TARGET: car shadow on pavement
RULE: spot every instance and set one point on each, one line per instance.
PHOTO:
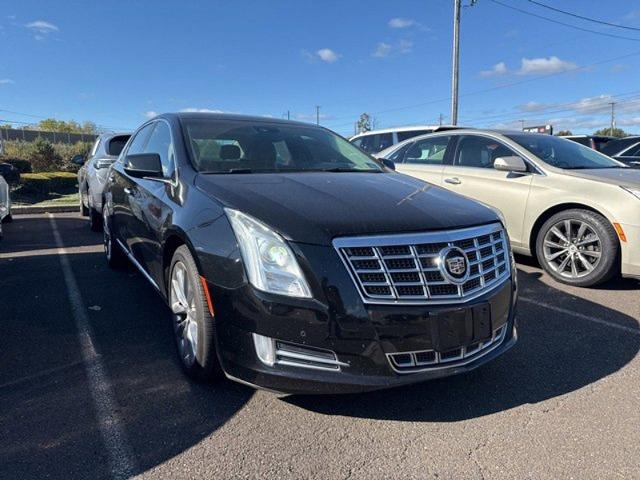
(50, 421)
(556, 354)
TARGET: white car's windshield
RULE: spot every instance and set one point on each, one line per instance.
(562, 153)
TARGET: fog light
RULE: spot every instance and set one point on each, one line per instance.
(265, 349)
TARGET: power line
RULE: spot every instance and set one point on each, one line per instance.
(602, 22)
(563, 23)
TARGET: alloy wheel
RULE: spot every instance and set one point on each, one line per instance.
(182, 301)
(572, 248)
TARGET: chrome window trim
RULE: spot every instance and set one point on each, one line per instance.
(412, 239)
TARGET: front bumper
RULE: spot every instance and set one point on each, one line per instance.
(630, 264)
(361, 337)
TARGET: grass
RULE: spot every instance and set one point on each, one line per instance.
(22, 200)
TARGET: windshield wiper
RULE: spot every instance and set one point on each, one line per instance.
(347, 169)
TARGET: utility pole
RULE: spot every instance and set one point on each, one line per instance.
(317, 114)
(288, 115)
(613, 117)
(455, 62)
(522, 125)
(440, 120)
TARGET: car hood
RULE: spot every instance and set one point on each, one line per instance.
(625, 177)
(316, 207)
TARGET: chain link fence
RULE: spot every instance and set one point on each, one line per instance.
(54, 137)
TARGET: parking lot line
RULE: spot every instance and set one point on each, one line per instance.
(121, 460)
(581, 316)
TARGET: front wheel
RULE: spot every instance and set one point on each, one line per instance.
(114, 254)
(578, 247)
(95, 220)
(192, 321)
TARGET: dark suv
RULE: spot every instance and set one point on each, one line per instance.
(294, 262)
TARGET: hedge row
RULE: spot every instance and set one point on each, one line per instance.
(48, 182)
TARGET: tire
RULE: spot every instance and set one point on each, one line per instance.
(592, 241)
(95, 220)
(84, 211)
(116, 258)
(8, 219)
(193, 324)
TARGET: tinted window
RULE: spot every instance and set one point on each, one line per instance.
(222, 147)
(399, 153)
(479, 152)
(614, 147)
(428, 151)
(599, 143)
(357, 142)
(560, 153)
(581, 140)
(633, 151)
(411, 133)
(116, 144)
(160, 143)
(376, 142)
(139, 141)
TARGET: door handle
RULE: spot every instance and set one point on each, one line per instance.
(128, 191)
(453, 180)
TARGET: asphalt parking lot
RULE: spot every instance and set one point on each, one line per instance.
(89, 388)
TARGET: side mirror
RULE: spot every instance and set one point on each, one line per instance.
(143, 165)
(510, 164)
(78, 160)
(388, 163)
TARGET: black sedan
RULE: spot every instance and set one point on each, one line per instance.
(294, 262)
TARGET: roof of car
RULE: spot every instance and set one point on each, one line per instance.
(229, 116)
(406, 129)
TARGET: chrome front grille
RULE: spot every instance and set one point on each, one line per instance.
(408, 268)
(409, 362)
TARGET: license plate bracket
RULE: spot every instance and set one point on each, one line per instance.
(462, 327)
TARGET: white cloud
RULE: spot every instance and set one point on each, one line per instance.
(201, 110)
(497, 70)
(328, 55)
(531, 66)
(42, 27)
(150, 114)
(402, 22)
(6, 81)
(385, 49)
(382, 50)
(544, 66)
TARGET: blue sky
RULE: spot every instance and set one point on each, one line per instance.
(117, 62)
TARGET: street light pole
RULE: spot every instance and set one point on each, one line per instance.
(317, 114)
(455, 62)
(613, 117)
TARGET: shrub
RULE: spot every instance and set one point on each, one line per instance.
(48, 182)
(44, 156)
(46, 160)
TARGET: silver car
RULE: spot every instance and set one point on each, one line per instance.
(92, 176)
(576, 210)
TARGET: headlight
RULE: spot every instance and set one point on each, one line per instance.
(633, 191)
(270, 263)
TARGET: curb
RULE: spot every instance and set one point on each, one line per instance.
(44, 209)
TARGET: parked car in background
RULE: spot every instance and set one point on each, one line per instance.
(626, 150)
(597, 142)
(5, 203)
(374, 141)
(10, 173)
(293, 261)
(576, 209)
(92, 175)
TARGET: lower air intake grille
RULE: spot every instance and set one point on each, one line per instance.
(409, 362)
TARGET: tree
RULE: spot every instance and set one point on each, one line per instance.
(616, 132)
(364, 123)
(564, 133)
(53, 125)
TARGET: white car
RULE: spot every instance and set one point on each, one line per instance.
(374, 141)
(5, 203)
(576, 210)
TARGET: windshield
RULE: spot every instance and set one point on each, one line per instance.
(237, 146)
(563, 153)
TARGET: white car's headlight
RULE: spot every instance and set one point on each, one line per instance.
(633, 191)
(270, 263)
